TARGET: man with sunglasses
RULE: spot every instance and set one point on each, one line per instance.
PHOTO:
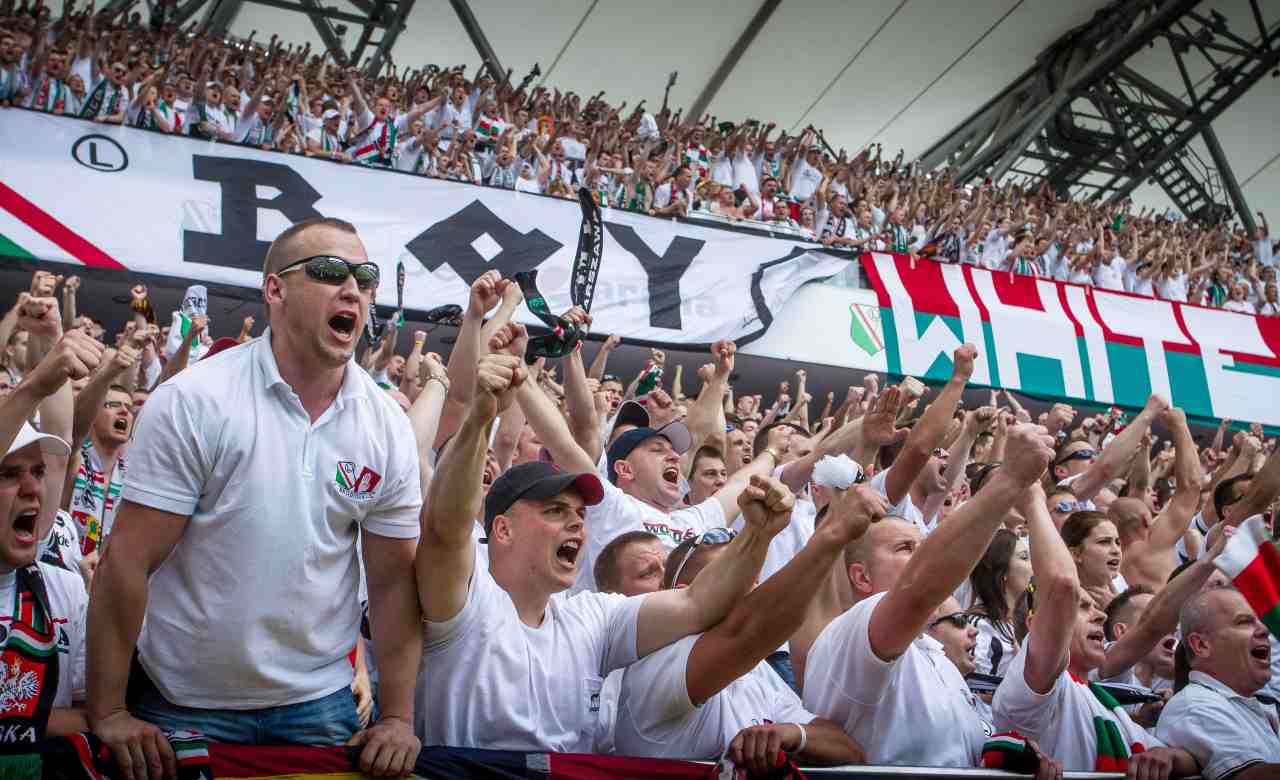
(507, 664)
(235, 537)
(1087, 471)
(713, 692)
(868, 669)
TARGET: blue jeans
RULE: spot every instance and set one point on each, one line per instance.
(781, 663)
(329, 720)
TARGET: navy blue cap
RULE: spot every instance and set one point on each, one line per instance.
(536, 480)
(674, 432)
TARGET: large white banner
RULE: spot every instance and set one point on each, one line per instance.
(114, 197)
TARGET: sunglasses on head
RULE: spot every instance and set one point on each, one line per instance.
(711, 536)
(1067, 507)
(956, 619)
(1077, 455)
(328, 269)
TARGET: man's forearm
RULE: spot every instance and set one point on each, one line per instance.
(15, 410)
(454, 500)
(729, 577)
(1158, 620)
(1115, 456)
(1262, 491)
(582, 407)
(113, 626)
(396, 624)
(547, 422)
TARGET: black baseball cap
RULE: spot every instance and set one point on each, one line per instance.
(631, 413)
(674, 432)
(536, 480)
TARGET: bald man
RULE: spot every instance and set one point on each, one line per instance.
(258, 469)
(1150, 545)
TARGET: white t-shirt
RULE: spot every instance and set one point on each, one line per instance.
(1062, 720)
(619, 513)
(656, 718)
(913, 710)
(790, 540)
(275, 505)
(1110, 275)
(489, 681)
(61, 545)
(69, 605)
(1222, 729)
(904, 508)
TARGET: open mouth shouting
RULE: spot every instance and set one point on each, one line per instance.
(1113, 564)
(120, 425)
(567, 553)
(343, 326)
(1261, 651)
(671, 475)
(1097, 637)
(24, 527)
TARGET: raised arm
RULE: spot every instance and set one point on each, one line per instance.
(1057, 591)
(1173, 522)
(446, 553)
(931, 428)
(771, 613)
(1115, 457)
(669, 615)
(949, 554)
(1262, 491)
(975, 421)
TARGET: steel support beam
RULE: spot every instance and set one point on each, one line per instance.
(331, 14)
(220, 15)
(382, 51)
(1228, 178)
(478, 39)
(1083, 118)
(324, 28)
(732, 57)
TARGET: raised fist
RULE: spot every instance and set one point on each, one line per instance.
(766, 504)
(1028, 451)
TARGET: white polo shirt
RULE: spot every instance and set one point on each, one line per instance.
(1225, 731)
(487, 680)
(257, 606)
(1062, 720)
(913, 710)
(656, 719)
(619, 513)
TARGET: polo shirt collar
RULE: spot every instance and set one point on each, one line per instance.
(1215, 684)
(352, 387)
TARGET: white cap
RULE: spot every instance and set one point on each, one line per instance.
(331, 114)
(48, 442)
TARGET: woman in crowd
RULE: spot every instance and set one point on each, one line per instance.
(999, 584)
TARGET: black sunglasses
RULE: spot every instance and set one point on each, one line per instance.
(328, 269)
(719, 535)
(956, 619)
(1077, 455)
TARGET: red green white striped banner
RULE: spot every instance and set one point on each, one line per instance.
(1252, 562)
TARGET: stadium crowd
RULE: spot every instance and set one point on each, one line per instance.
(289, 538)
(486, 130)
(511, 557)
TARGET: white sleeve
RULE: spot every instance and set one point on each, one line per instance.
(481, 593)
(79, 630)
(655, 689)
(1017, 707)
(169, 459)
(849, 668)
(396, 515)
(622, 618)
(786, 706)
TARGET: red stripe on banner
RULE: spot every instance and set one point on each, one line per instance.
(1017, 290)
(1107, 333)
(1192, 348)
(873, 278)
(981, 305)
(573, 766)
(1259, 583)
(1269, 327)
(44, 224)
(929, 294)
(1061, 291)
(260, 761)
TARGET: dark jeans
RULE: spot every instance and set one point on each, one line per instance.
(328, 720)
(781, 663)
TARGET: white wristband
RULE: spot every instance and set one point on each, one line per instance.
(804, 739)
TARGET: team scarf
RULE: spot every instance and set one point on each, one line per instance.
(649, 380)
(489, 128)
(564, 335)
(1022, 265)
(837, 231)
(93, 105)
(1217, 294)
(901, 238)
(1113, 753)
(637, 196)
(46, 102)
(29, 664)
(1008, 750)
(8, 82)
(696, 158)
(381, 148)
(1252, 562)
(92, 490)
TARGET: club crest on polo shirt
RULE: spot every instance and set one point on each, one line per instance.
(359, 483)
